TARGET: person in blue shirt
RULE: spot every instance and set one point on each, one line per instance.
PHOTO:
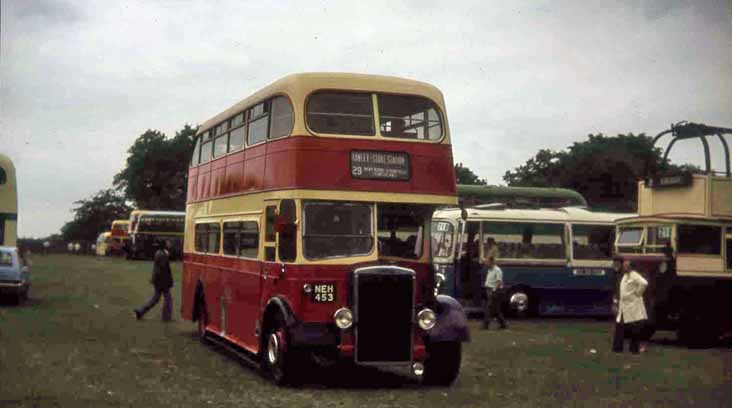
(493, 285)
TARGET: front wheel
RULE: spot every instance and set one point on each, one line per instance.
(443, 363)
(278, 360)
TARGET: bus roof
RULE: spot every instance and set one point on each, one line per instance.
(151, 212)
(490, 194)
(566, 214)
(120, 222)
(8, 186)
(299, 86)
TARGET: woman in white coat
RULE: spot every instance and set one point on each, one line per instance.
(631, 309)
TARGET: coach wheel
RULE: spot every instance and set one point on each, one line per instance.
(279, 361)
(26, 293)
(442, 365)
(694, 332)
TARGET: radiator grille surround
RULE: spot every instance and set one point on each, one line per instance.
(384, 314)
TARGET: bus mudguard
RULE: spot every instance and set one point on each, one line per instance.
(305, 334)
(452, 322)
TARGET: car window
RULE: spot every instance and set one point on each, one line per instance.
(6, 259)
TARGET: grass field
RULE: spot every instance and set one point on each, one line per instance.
(76, 344)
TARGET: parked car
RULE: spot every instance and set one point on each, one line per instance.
(14, 274)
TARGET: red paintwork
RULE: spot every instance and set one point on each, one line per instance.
(318, 163)
(248, 294)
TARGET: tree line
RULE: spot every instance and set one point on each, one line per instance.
(603, 169)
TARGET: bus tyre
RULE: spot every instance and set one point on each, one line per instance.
(696, 332)
(278, 360)
(442, 365)
(647, 331)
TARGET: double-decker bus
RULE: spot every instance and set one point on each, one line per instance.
(554, 261)
(119, 236)
(103, 243)
(519, 197)
(8, 203)
(308, 207)
(681, 241)
(147, 228)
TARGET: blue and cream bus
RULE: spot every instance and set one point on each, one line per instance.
(554, 261)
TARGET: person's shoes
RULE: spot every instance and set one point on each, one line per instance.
(138, 316)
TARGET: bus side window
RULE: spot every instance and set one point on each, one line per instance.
(287, 244)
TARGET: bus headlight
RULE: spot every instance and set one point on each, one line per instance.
(426, 319)
(343, 318)
(663, 267)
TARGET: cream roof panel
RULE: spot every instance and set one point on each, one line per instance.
(569, 214)
(298, 86)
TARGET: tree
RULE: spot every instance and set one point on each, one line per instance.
(155, 176)
(95, 215)
(464, 175)
(603, 169)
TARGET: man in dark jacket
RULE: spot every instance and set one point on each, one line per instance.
(162, 281)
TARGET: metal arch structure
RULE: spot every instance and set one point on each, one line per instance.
(688, 130)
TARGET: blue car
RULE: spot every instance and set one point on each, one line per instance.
(14, 275)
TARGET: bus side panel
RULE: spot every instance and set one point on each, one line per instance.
(191, 274)
(255, 167)
(243, 309)
(204, 179)
(233, 181)
(218, 172)
(560, 292)
(192, 185)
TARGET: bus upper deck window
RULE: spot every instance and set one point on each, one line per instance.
(206, 149)
(3, 176)
(258, 123)
(409, 117)
(341, 113)
(282, 117)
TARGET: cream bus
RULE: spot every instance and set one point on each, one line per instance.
(8, 203)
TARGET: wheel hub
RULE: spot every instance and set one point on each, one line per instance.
(273, 349)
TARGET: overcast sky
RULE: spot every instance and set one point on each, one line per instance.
(81, 80)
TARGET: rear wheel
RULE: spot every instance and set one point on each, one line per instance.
(442, 365)
(695, 332)
(202, 322)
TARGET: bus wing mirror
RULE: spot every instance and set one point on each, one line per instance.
(282, 224)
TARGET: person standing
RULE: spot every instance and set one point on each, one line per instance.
(631, 309)
(493, 284)
(162, 281)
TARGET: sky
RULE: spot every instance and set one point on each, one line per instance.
(81, 80)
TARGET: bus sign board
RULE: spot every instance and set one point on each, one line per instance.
(673, 180)
(379, 165)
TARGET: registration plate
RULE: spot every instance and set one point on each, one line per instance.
(324, 293)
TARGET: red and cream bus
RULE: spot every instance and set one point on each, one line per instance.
(118, 237)
(308, 213)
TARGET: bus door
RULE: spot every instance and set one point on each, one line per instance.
(279, 244)
(468, 282)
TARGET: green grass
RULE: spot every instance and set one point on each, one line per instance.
(76, 343)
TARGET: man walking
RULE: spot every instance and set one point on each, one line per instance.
(493, 286)
(162, 280)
